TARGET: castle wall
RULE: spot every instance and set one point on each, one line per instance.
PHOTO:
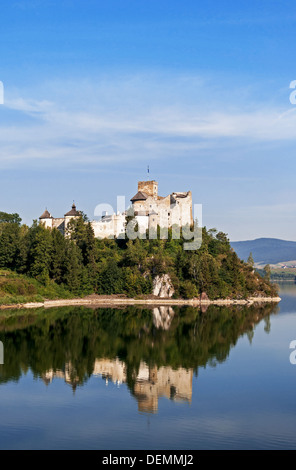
(142, 223)
(182, 213)
(163, 209)
(142, 206)
(59, 224)
(47, 223)
(109, 226)
(175, 209)
(67, 219)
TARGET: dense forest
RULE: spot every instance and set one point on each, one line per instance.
(81, 264)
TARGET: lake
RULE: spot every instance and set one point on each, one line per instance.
(149, 378)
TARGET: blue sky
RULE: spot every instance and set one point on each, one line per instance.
(96, 90)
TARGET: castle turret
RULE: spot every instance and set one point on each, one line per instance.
(72, 214)
(145, 198)
(46, 219)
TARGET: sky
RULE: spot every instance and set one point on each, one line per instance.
(97, 90)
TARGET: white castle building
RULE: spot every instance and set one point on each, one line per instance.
(148, 208)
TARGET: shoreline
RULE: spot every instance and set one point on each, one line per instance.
(113, 302)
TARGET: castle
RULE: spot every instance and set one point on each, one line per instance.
(60, 223)
(149, 209)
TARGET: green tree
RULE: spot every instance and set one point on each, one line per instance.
(73, 268)
(57, 265)
(9, 244)
(10, 218)
(188, 290)
(40, 253)
(267, 271)
(82, 234)
(21, 262)
(111, 279)
(135, 254)
(250, 260)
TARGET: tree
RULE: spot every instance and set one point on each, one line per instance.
(250, 260)
(73, 267)
(267, 271)
(21, 262)
(188, 290)
(135, 254)
(111, 279)
(40, 253)
(10, 218)
(57, 264)
(9, 244)
(82, 234)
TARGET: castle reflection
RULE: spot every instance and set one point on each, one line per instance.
(151, 383)
(153, 351)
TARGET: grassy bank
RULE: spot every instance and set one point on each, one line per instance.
(18, 289)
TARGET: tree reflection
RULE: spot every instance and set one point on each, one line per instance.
(154, 351)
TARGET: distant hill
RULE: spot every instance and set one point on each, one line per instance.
(266, 250)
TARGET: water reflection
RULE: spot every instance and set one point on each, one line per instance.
(162, 317)
(155, 352)
(287, 288)
(151, 383)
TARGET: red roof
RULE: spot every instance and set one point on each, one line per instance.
(73, 212)
(140, 196)
(46, 215)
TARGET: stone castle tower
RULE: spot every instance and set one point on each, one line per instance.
(149, 187)
(152, 210)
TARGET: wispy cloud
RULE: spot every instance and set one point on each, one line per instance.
(129, 119)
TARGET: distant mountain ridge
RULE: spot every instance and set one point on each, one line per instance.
(266, 250)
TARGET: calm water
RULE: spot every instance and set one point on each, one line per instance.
(77, 378)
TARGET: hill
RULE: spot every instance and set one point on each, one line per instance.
(266, 250)
(82, 265)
